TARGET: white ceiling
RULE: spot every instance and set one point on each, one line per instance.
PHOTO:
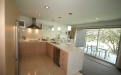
(84, 11)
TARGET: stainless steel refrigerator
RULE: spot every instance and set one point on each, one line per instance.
(16, 47)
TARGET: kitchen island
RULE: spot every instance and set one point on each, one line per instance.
(71, 58)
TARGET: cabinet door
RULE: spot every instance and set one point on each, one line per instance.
(63, 60)
(30, 48)
(47, 48)
(51, 50)
(23, 48)
(43, 47)
(37, 48)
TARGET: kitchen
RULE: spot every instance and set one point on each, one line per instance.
(8, 55)
(59, 52)
(85, 13)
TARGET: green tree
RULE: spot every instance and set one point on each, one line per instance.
(92, 34)
(111, 38)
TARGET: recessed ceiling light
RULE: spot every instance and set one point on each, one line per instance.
(46, 7)
(39, 14)
(97, 18)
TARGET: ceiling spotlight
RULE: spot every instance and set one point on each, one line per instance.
(70, 17)
(39, 14)
(97, 18)
(46, 7)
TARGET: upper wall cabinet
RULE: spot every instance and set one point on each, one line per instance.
(46, 27)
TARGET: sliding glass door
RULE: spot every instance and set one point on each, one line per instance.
(109, 40)
(92, 41)
(103, 43)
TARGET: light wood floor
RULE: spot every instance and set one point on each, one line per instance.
(39, 65)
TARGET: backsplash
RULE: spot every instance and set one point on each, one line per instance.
(39, 34)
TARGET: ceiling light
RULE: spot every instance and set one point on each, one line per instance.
(53, 26)
(59, 28)
(52, 29)
(69, 28)
(39, 14)
(46, 7)
(97, 18)
(70, 17)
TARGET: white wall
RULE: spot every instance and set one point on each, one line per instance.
(33, 34)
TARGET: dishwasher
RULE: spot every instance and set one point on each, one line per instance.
(56, 55)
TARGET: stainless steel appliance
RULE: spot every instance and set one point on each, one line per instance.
(16, 48)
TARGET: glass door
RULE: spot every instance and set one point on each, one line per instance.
(92, 41)
(109, 42)
(101, 43)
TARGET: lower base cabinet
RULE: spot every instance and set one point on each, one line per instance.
(32, 48)
(70, 62)
(50, 49)
(63, 60)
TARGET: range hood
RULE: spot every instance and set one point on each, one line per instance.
(34, 26)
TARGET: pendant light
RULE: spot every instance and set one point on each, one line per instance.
(69, 27)
(59, 28)
(53, 26)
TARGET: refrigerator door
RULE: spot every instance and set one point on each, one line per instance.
(16, 46)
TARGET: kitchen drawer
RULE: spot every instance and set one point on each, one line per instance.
(63, 54)
(64, 60)
(63, 67)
